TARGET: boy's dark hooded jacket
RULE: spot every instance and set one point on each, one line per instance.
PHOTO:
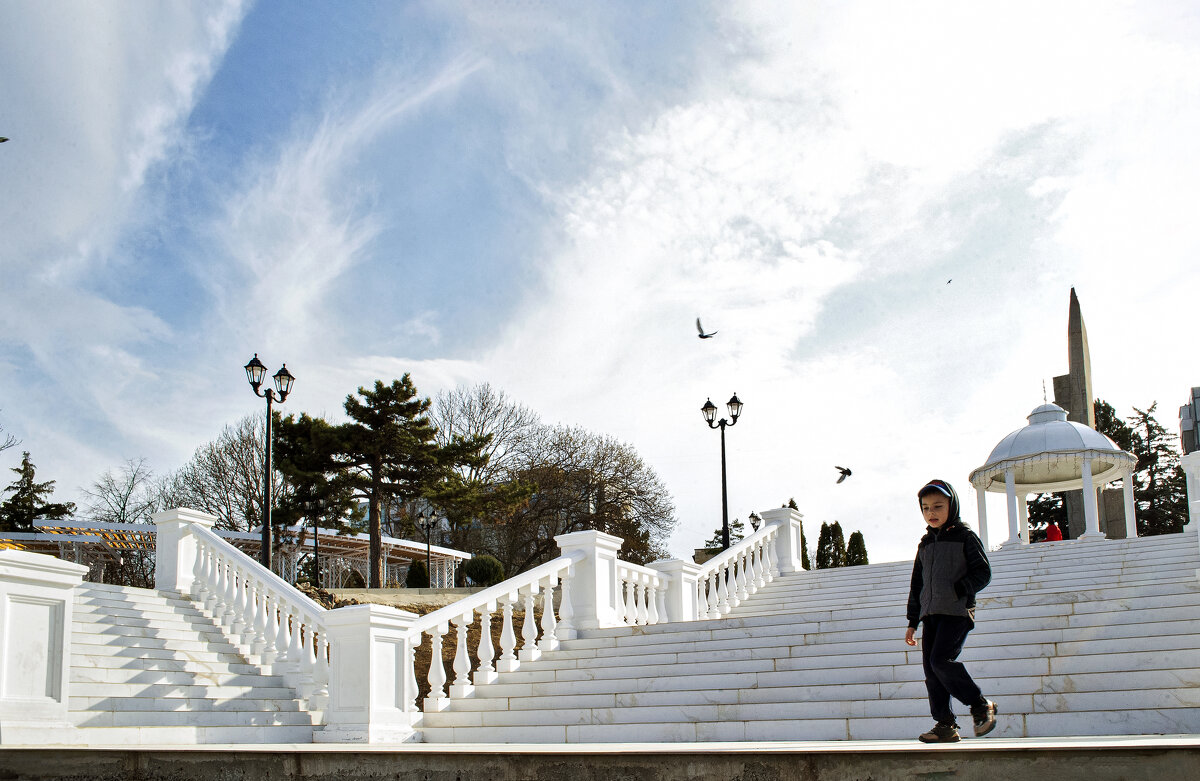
(950, 569)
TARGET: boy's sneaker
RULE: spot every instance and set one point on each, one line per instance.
(984, 717)
(941, 733)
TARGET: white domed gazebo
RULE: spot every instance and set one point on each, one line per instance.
(1052, 453)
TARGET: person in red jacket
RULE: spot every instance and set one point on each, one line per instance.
(1053, 533)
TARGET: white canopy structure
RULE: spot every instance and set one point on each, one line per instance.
(1052, 453)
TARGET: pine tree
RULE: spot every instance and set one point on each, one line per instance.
(837, 545)
(737, 533)
(1159, 485)
(856, 550)
(29, 501)
(824, 558)
(389, 451)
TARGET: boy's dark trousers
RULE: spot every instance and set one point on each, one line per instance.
(941, 642)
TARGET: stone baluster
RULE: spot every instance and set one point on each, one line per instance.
(409, 671)
(508, 639)
(217, 598)
(437, 699)
(566, 613)
(199, 581)
(652, 599)
(630, 600)
(295, 653)
(308, 654)
(740, 578)
(722, 592)
(487, 671)
(641, 591)
(462, 659)
(714, 595)
(320, 693)
(731, 587)
(753, 570)
(549, 641)
(254, 634)
(283, 634)
(529, 650)
(701, 598)
(266, 626)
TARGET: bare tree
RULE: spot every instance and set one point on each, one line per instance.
(225, 477)
(7, 440)
(584, 481)
(127, 496)
(482, 410)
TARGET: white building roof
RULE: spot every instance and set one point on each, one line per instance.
(1048, 455)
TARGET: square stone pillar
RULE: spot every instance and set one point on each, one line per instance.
(594, 587)
(175, 549)
(681, 577)
(372, 685)
(37, 600)
(787, 542)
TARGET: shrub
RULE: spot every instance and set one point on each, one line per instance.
(483, 570)
(418, 576)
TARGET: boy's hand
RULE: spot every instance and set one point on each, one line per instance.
(910, 636)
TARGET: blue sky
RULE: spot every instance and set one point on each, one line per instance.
(544, 196)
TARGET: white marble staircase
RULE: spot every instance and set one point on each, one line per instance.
(1073, 638)
(148, 667)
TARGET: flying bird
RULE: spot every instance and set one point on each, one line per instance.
(2, 139)
(845, 473)
(700, 328)
(948, 281)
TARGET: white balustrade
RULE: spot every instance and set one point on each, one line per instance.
(728, 579)
(641, 590)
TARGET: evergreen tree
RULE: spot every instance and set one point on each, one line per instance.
(389, 451)
(831, 546)
(737, 533)
(856, 550)
(1160, 489)
(1042, 510)
(30, 501)
(837, 545)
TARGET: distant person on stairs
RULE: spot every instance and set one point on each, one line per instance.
(950, 569)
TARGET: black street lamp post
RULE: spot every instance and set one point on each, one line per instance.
(710, 413)
(255, 372)
(427, 520)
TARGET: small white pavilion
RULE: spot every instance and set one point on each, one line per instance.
(1053, 454)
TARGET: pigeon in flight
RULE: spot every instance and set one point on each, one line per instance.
(2, 139)
(845, 473)
(700, 328)
(948, 281)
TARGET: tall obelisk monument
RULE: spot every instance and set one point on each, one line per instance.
(1073, 392)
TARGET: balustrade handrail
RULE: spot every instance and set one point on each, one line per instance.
(473, 602)
(282, 588)
(727, 555)
(640, 570)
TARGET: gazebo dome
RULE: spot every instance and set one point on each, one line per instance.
(1046, 454)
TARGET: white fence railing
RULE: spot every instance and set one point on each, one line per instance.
(357, 665)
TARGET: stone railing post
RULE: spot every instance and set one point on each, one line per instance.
(175, 548)
(372, 686)
(593, 588)
(1191, 471)
(37, 599)
(681, 577)
(787, 542)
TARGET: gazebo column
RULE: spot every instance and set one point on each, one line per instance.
(1010, 490)
(1023, 517)
(1130, 507)
(1091, 518)
(981, 503)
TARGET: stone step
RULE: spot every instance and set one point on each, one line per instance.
(87, 705)
(137, 677)
(199, 652)
(261, 716)
(171, 663)
(192, 691)
(1148, 722)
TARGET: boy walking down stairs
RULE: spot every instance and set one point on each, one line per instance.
(951, 567)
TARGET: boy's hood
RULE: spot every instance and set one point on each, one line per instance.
(955, 517)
